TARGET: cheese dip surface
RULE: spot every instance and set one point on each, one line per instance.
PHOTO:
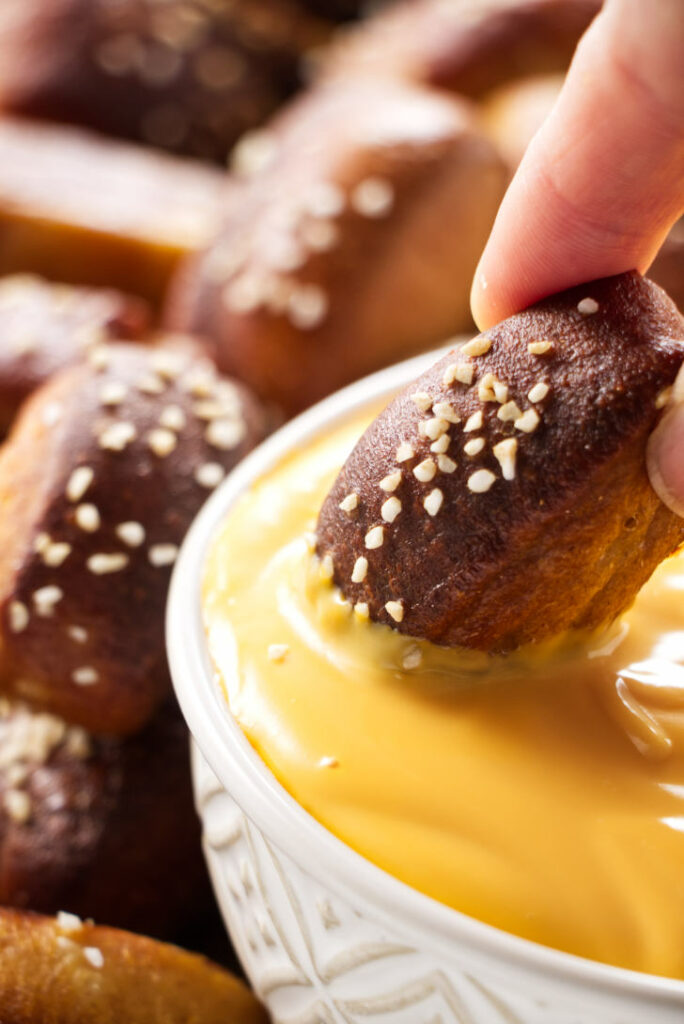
(542, 793)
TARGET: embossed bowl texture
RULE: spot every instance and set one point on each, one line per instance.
(325, 936)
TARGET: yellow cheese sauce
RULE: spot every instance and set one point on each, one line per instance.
(542, 794)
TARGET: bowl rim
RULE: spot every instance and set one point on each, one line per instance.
(280, 817)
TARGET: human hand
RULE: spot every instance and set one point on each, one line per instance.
(600, 186)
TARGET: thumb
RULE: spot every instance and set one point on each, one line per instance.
(665, 455)
(601, 183)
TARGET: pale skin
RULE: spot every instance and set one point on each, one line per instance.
(600, 185)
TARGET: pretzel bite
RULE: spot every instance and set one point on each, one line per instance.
(103, 826)
(64, 971)
(187, 75)
(349, 248)
(78, 208)
(503, 497)
(101, 476)
(513, 114)
(45, 327)
(464, 46)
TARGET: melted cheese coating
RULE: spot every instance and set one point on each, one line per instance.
(543, 794)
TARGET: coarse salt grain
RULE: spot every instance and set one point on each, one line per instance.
(441, 444)
(18, 615)
(209, 474)
(446, 411)
(375, 537)
(68, 922)
(480, 481)
(474, 446)
(101, 564)
(79, 482)
(390, 482)
(112, 393)
(161, 555)
(18, 805)
(433, 502)
(476, 347)
(461, 372)
(422, 400)
(307, 307)
(161, 441)
(225, 434)
(349, 502)
(474, 422)
(362, 611)
(509, 412)
(172, 418)
(390, 509)
(539, 348)
(328, 762)
(117, 436)
(55, 554)
(373, 197)
(87, 518)
(539, 392)
(528, 422)
(327, 567)
(278, 652)
(412, 658)
(131, 533)
(360, 570)
(85, 676)
(45, 599)
(445, 464)
(395, 609)
(435, 427)
(505, 452)
(587, 306)
(94, 956)
(404, 452)
(425, 470)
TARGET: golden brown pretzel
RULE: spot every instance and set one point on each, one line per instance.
(503, 497)
(63, 971)
(352, 247)
(101, 476)
(464, 46)
(45, 327)
(186, 75)
(105, 827)
(79, 208)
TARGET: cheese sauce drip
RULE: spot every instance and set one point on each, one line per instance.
(543, 794)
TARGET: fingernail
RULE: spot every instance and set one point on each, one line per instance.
(665, 452)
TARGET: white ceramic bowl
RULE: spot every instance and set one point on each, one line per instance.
(324, 935)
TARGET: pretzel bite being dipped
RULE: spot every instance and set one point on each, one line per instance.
(66, 971)
(99, 480)
(348, 249)
(103, 826)
(463, 46)
(45, 327)
(186, 75)
(88, 210)
(503, 497)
